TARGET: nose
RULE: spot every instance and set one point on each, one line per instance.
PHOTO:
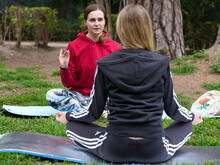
(96, 22)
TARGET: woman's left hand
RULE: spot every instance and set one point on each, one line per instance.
(197, 119)
(61, 117)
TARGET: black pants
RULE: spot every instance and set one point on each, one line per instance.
(123, 149)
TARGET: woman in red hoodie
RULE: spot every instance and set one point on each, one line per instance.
(78, 62)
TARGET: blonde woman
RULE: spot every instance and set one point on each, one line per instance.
(139, 86)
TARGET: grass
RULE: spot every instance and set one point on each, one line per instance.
(56, 73)
(197, 54)
(184, 65)
(211, 86)
(184, 69)
(32, 90)
(216, 66)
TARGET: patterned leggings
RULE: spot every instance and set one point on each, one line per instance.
(65, 100)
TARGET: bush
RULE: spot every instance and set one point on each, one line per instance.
(64, 31)
(44, 23)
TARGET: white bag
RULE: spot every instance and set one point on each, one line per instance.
(208, 104)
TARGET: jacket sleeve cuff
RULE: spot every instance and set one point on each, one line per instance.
(68, 118)
(193, 116)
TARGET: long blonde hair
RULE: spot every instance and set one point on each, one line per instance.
(134, 28)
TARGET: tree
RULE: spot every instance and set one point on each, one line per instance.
(18, 18)
(201, 20)
(167, 25)
(107, 5)
(140, 2)
(44, 23)
(101, 2)
(108, 12)
(5, 24)
(217, 42)
(214, 51)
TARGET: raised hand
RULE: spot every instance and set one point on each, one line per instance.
(64, 58)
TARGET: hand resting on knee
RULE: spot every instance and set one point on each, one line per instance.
(197, 119)
(61, 117)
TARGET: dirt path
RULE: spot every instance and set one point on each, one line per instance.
(28, 55)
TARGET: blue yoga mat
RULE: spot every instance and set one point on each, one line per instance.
(61, 148)
(30, 110)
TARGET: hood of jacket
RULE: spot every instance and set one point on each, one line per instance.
(134, 70)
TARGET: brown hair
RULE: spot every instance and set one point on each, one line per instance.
(134, 28)
(94, 7)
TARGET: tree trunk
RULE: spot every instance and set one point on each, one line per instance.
(108, 12)
(101, 2)
(5, 25)
(140, 2)
(167, 24)
(218, 37)
(214, 51)
(107, 5)
(166, 17)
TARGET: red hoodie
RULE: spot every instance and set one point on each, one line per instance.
(84, 52)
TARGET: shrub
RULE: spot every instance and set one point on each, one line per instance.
(44, 22)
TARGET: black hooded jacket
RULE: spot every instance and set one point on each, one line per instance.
(139, 86)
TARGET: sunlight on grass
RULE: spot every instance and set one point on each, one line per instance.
(211, 86)
(32, 97)
(197, 54)
(216, 66)
(40, 84)
(35, 70)
(103, 122)
(184, 69)
(182, 60)
(16, 76)
(206, 134)
(10, 87)
(46, 125)
(1, 65)
(185, 101)
(19, 75)
(198, 92)
(56, 73)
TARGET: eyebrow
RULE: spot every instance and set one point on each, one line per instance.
(96, 18)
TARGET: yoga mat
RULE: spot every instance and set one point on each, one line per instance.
(61, 148)
(30, 110)
(48, 111)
